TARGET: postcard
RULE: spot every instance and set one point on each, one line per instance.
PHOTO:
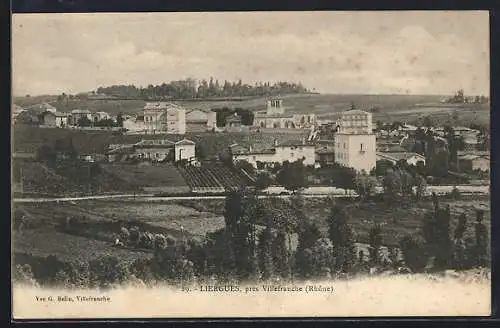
(251, 164)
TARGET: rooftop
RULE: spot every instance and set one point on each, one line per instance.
(354, 111)
(291, 143)
(185, 142)
(399, 155)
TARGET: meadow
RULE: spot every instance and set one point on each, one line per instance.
(193, 219)
(320, 104)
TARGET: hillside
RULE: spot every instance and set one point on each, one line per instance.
(28, 139)
(315, 103)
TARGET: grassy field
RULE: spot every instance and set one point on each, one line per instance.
(196, 218)
(147, 175)
(68, 247)
(30, 138)
(299, 103)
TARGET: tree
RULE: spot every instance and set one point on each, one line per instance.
(364, 184)
(281, 255)
(375, 238)
(292, 176)
(421, 186)
(413, 249)
(436, 233)
(392, 184)
(109, 270)
(308, 235)
(342, 238)
(84, 121)
(263, 181)
(46, 154)
(428, 122)
(459, 253)
(481, 240)
(23, 274)
(266, 264)
(199, 151)
(119, 120)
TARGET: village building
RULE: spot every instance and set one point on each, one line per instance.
(290, 151)
(233, 121)
(474, 162)
(163, 117)
(157, 150)
(211, 120)
(395, 157)
(78, 114)
(325, 151)
(355, 141)
(47, 120)
(45, 107)
(134, 124)
(16, 110)
(28, 117)
(99, 116)
(61, 119)
(274, 117)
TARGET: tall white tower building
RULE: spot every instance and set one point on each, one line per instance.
(355, 142)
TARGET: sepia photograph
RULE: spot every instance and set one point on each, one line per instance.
(250, 164)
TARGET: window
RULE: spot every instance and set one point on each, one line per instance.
(291, 154)
(362, 147)
(345, 145)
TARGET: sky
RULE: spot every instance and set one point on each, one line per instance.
(419, 52)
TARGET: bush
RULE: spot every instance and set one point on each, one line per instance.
(108, 270)
(134, 235)
(24, 275)
(124, 234)
(160, 241)
(455, 193)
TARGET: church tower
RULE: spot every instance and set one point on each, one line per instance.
(275, 107)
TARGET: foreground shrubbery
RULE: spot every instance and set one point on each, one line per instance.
(256, 244)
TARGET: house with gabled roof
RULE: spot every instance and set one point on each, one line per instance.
(157, 150)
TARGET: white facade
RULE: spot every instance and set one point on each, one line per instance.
(134, 125)
(293, 153)
(274, 117)
(290, 152)
(164, 117)
(76, 114)
(356, 122)
(257, 156)
(185, 149)
(61, 119)
(410, 158)
(196, 116)
(355, 143)
(211, 120)
(275, 107)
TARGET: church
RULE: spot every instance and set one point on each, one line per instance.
(275, 117)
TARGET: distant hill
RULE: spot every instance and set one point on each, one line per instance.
(319, 104)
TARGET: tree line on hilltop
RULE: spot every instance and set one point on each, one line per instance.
(193, 89)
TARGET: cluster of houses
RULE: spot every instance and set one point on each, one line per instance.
(354, 142)
(47, 116)
(157, 150)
